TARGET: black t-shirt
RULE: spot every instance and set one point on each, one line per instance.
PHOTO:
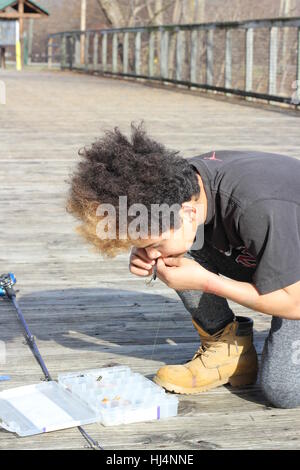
(253, 204)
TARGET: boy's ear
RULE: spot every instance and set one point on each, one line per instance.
(189, 210)
(188, 207)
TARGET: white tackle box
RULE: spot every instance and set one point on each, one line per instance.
(111, 396)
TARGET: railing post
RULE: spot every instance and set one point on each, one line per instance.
(104, 52)
(249, 59)
(63, 49)
(86, 51)
(228, 59)
(2, 66)
(161, 48)
(179, 53)
(95, 50)
(297, 91)
(273, 61)
(115, 53)
(77, 50)
(138, 53)
(209, 56)
(151, 54)
(194, 52)
(70, 51)
(50, 52)
(125, 52)
(164, 48)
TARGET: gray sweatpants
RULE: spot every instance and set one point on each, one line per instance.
(280, 363)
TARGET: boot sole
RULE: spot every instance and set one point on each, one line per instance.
(234, 381)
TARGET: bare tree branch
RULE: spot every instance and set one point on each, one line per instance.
(136, 8)
(158, 12)
(177, 15)
(104, 13)
(112, 12)
(149, 9)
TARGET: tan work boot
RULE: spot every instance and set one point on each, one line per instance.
(226, 356)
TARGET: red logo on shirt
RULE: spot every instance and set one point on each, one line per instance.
(246, 259)
(213, 157)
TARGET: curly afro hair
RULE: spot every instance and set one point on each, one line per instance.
(139, 168)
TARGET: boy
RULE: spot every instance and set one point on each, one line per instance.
(248, 205)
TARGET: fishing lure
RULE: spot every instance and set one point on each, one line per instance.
(153, 277)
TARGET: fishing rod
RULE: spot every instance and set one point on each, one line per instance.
(7, 282)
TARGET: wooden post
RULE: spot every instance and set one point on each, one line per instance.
(82, 28)
(273, 61)
(194, 52)
(2, 57)
(115, 53)
(18, 47)
(86, 50)
(164, 48)
(21, 23)
(138, 53)
(298, 68)
(77, 51)
(125, 52)
(70, 51)
(209, 56)
(249, 59)
(95, 50)
(179, 54)
(63, 49)
(50, 52)
(228, 59)
(151, 54)
(25, 48)
(104, 52)
(30, 37)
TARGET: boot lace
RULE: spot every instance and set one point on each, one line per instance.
(211, 343)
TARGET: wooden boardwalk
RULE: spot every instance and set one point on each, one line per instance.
(88, 312)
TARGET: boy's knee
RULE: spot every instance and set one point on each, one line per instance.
(283, 394)
(191, 300)
(279, 369)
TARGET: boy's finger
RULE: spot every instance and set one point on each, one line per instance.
(172, 261)
(160, 265)
(141, 253)
(136, 261)
(139, 271)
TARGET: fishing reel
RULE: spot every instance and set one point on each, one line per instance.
(7, 281)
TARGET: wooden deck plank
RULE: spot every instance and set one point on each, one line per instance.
(87, 311)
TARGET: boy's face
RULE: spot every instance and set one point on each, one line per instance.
(174, 242)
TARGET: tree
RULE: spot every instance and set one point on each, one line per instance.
(112, 13)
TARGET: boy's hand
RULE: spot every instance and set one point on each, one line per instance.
(139, 263)
(183, 274)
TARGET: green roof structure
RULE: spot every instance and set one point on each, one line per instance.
(17, 11)
(29, 7)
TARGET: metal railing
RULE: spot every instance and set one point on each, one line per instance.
(255, 59)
